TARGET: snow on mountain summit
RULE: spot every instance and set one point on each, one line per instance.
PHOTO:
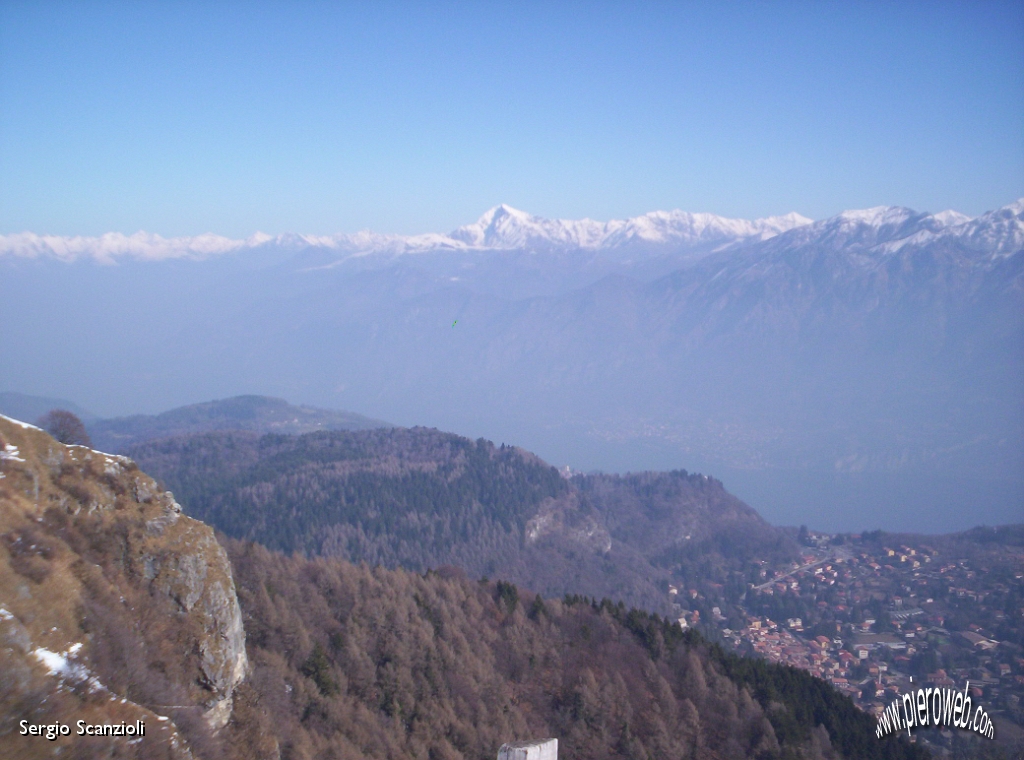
(507, 227)
(887, 229)
(877, 216)
(504, 227)
(950, 218)
(500, 228)
(997, 233)
(107, 248)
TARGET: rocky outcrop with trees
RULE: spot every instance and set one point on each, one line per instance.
(113, 604)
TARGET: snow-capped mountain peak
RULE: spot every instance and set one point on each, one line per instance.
(886, 230)
(1016, 208)
(999, 233)
(951, 218)
(876, 216)
(504, 227)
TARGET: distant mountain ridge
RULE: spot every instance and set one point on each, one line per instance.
(262, 414)
(505, 228)
(256, 413)
(891, 228)
(499, 228)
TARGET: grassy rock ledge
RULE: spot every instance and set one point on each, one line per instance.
(114, 606)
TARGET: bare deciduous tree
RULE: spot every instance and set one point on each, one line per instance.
(65, 427)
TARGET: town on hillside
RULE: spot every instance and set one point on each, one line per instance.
(880, 615)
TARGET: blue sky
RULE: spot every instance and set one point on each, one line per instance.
(182, 118)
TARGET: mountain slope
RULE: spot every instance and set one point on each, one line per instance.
(378, 663)
(419, 498)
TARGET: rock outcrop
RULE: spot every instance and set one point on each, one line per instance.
(563, 517)
(113, 604)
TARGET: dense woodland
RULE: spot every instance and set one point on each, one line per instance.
(419, 498)
(352, 661)
(686, 524)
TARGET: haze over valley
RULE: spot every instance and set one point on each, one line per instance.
(856, 372)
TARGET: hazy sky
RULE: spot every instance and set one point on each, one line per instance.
(182, 118)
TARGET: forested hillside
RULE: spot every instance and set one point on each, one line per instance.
(353, 662)
(114, 606)
(419, 498)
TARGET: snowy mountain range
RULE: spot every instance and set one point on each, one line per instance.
(887, 229)
(500, 228)
(504, 228)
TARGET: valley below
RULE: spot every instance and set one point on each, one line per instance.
(412, 593)
(110, 611)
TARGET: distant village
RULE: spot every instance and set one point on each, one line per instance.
(879, 618)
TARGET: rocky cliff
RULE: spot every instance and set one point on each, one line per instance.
(114, 606)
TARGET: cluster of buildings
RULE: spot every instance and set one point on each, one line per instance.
(822, 656)
(880, 619)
